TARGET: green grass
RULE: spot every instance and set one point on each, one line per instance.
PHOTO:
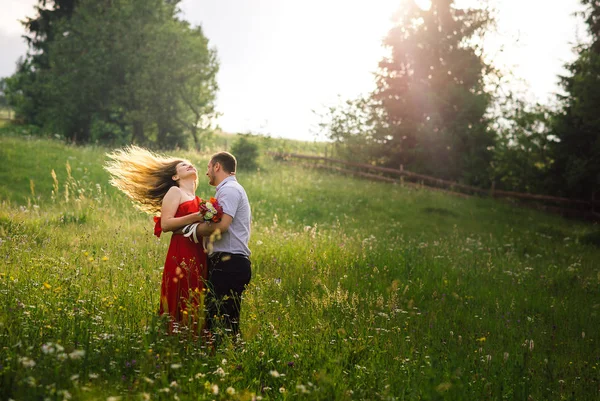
(360, 290)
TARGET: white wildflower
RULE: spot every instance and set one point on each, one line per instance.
(77, 354)
(27, 362)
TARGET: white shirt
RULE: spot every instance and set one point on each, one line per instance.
(234, 201)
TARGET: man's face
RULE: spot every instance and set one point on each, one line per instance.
(210, 173)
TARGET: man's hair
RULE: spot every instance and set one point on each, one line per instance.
(226, 160)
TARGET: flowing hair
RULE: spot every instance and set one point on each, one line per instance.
(143, 176)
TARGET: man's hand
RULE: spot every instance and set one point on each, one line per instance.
(207, 229)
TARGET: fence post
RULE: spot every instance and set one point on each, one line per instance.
(493, 188)
(401, 175)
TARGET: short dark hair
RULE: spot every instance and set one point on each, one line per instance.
(226, 160)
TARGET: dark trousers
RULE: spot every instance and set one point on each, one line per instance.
(228, 275)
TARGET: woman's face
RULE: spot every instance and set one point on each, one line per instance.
(185, 170)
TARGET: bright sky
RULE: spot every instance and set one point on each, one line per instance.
(280, 60)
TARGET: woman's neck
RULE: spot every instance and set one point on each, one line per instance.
(188, 187)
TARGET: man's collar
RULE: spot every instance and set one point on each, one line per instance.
(227, 179)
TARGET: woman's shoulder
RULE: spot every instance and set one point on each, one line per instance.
(173, 193)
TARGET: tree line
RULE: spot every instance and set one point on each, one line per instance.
(437, 109)
(132, 71)
(115, 72)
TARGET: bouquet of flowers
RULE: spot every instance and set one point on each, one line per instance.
(210, 210)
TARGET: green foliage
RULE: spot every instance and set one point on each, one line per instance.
(360, 290)
(429, 110)
(245, 150)
(353, 126)
(576, 171)
(3, 89)
(124, 71)
(522, 154)
(432, 91)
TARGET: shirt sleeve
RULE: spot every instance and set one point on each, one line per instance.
(229, 199)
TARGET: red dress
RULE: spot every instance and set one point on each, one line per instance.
(184, 275)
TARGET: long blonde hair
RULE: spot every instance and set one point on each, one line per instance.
(144, 176)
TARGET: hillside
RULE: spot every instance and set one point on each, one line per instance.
(360, 290)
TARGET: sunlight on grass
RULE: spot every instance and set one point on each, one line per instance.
(360, 290)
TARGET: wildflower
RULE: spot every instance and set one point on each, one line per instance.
(175, 365)
(302, 388)
(145, 396)
(174, 384)
(274, 373)
(199, 375)
(214, 389)
(47, 286)
(105, 258)
(481, 340)
(27, 362)
(114, 398)
(77, 354)
(282, 390)
(220, 372)
(443, 387)
(230, 391)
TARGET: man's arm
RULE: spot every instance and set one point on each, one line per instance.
(206, 229)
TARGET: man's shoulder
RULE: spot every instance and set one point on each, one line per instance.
(232, 185)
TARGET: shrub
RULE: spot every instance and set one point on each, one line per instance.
(245, 151)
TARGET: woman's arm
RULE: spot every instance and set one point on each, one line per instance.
(207, 229)
(170, 203)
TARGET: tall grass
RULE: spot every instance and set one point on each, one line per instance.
(360, 290)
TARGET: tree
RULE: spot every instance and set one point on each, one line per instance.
(576, 169)
(3, 88)
(123, 71)
(522, 152)
(197, 84)
(431, 88)
(27, 86)
(353, 125)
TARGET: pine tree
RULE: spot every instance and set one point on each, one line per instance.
(432, 90)
(576, 169)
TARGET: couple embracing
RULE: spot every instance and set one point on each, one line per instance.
(202, 281)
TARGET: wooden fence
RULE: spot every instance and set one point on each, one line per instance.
(589, 210)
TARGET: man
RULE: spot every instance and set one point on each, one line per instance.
(229, 267)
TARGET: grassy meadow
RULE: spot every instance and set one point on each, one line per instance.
(360, 291)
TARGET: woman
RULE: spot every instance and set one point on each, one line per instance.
(167, 185)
